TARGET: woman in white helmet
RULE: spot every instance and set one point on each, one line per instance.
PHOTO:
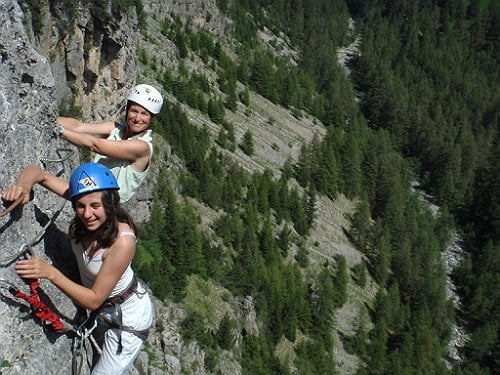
(126, 148)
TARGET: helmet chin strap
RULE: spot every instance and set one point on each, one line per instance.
(122, 105)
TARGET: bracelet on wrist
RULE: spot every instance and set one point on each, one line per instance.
(59, 130)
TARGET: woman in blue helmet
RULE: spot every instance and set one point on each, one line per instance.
(103, 238)
(125, 148)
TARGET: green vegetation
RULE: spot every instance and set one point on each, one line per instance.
(171, 247)
(36, 9)
(428, 106)
(432, 84)
(104, 10)
(246, 144)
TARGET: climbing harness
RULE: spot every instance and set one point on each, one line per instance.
(107, 316)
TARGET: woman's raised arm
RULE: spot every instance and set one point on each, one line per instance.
(30, 176)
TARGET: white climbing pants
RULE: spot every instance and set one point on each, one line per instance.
(137, 313)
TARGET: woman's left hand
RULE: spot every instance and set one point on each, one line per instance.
(34, 268)
(13, 192)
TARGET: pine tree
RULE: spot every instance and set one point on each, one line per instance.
(267, 243)
(284, 240)
(324, 306)
(244, 96)
(378, 347)
(298, 212)
(351, 167)
(303, 168)
(246, 144)
(231, 100)
(264, 185)
(380, 253)
(327, 180)
(215, 110)
(262, 76)
(310, 207)
(225, 336)
(243, 73)
(340, 281)
(361, 224)
(180, 42)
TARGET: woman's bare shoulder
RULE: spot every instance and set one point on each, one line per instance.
(124, 228)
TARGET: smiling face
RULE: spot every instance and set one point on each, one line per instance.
(138, 118)
(90, 210)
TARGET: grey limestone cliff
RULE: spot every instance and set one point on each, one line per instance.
(28, 105)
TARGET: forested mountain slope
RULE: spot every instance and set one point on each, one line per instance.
(280, 232)
(429, 73)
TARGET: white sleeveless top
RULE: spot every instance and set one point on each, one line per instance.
(90, 267)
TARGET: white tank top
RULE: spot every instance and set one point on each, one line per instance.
(90, 267)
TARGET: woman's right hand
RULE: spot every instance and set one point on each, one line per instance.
(13, 192)
(35, 268)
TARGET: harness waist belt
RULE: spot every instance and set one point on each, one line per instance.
(123, 296)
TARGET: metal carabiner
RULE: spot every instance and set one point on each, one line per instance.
(23, 249)
(85, 333)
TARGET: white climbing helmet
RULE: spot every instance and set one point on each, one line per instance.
(146, 96)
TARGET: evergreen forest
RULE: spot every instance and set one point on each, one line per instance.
(417, 113)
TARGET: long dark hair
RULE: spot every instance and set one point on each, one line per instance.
(107, 233)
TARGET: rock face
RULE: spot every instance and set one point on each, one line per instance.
(96, 57)
(28, 105)
(92, 55)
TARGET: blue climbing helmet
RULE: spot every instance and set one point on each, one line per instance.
(90, 177)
